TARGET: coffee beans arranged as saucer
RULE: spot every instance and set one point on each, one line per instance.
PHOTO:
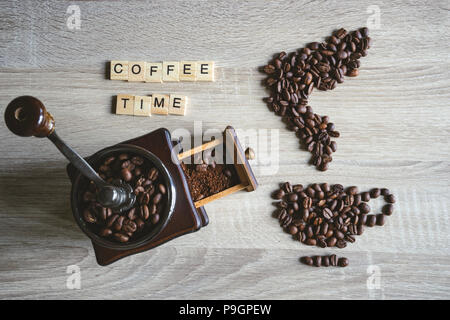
(328, 215)
(325, 261)
(148, 187)
(292, 78)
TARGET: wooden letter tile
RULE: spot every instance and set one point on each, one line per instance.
(119, 70)
(177, 104)
(187, 70)
(171, 71)
(160, 104)
(153, 72)
(125, 104)
(142, 106)
(136, 71)
(205, 70)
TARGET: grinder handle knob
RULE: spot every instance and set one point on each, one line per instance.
(26, 116)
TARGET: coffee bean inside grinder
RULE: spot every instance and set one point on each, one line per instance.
(151, 197)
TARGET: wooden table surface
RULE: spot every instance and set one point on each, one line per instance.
(394, 120)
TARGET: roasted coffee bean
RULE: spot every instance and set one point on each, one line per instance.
(157, 198)
(162, 188)
(364, 208)
(89, 217)
(126, 174)
(341, 244)
(307, 260)
(139, 161)
(153, 174)
(293, 230)
(279, 194)
(129, 227)
(145, 213)
(343, 262)
(390, 198)
(317, 261)
(333, 260)
(121, 237)
(384, 191)
(105, 232)
(388, 209)
(119, 223)
(325, 261)
(352, 190)
(380, 219)
(371, 220)
(375, 193)
(132, 214)
(155, 218)
(365, 196)
(111, 220)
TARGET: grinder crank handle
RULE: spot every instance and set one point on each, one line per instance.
(26, 116)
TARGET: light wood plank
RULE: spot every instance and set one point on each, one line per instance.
(394, 121)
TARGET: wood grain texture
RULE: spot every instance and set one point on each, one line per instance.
(394, 120)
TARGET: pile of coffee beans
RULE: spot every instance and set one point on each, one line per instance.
(206, 179)
(292, 78)
(325, 261)
(328, 215)
(151, 197)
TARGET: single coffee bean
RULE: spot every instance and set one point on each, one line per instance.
(375, 193)
(390, 198)
(145, 213)
(365, 196)
(317, 261)
(352, 190)
(371, 220)
(89, 217)
(385, 192)
(293, 230)
(119, 223)
(111, 220)
(155, 218)
(293, 197)
(157, 198)
(381, 219)
(126, 174)
(105, 232)
(121, 237)
(388, 209)
(364, 208)
(132, 214)
(325, 261)
(279, 194)
(333, 260)
(343, 262)
(307, 260)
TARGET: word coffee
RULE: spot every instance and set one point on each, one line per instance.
(145, 106)
(167, 71)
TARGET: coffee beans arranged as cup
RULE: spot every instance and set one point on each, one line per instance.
(327, 215)
(151, 197)
(325, 261)
(292, 78)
